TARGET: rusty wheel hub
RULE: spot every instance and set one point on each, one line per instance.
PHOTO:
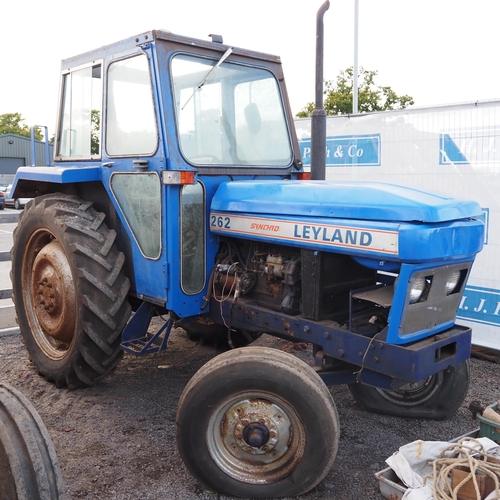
(53, 292)
(256, 438)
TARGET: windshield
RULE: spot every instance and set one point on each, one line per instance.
(234, 117)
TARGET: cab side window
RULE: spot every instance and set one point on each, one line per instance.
(192, 238)
(131, 122)
(79, 127)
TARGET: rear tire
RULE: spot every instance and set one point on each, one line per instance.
(257, 423)
(69, 290)
(29, 468)
(437, 397)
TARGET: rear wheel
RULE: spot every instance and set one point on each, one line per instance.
(257, 423)
(29, 468)
(69, 289)
(437, 397)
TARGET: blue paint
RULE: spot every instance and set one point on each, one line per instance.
(367, 201)
(59, 175)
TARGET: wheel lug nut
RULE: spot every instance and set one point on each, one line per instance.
(245, 423)
(239, 436)
(262, 421)
(249, 450)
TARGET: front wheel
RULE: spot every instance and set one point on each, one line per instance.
(437, 397)
(69, 289)
(257, 423)
(17, 204)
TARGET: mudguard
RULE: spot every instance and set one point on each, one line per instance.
(56, 175)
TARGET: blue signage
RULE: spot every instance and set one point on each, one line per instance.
(450, 152)
(481, 305)
(477, 146)
(348, 150)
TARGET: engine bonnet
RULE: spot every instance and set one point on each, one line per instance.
(344, 200)
(375, 221)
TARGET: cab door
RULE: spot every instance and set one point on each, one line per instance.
(133, 159)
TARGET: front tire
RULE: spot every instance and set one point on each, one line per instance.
(69, 290)
(437, 397)
(257, 423)
(17, 204)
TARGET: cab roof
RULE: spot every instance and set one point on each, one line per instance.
(151, 37)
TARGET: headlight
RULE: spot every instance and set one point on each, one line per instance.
(417, 289)
(452, 282)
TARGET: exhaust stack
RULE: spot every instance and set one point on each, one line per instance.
(318, 116)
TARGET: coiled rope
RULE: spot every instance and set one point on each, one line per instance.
(460, 455)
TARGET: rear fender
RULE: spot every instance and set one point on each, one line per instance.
(34, 181)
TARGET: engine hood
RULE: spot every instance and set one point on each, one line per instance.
(374, 221)
(343, 200)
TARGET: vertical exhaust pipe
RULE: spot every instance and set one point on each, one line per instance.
(318, 116)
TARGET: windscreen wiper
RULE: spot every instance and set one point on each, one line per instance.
(220, 61)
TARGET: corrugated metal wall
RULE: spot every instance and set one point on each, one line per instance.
(16, 146)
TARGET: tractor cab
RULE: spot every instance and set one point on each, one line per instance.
(158, 121)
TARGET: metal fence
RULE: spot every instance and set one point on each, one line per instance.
(5, 294)
(7, 313)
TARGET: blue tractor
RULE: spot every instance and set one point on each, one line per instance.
(177, 188)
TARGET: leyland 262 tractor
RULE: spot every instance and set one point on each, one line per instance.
(177, 188)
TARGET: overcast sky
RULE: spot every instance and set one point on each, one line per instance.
(437, 51)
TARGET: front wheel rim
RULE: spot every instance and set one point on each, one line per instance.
(256, 438)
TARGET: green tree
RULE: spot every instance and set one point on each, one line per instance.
(371, 97)
(13, 123)
(95, 131)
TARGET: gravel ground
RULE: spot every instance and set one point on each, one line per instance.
(116, 440)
